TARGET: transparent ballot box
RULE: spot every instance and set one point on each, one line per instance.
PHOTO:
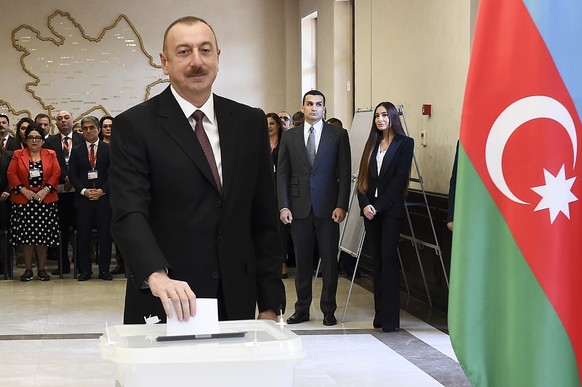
(243, 353)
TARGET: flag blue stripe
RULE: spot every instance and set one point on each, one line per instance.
(560, 24)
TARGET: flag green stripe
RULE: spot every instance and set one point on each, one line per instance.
(504, 329)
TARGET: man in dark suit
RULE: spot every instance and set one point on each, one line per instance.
(5, 157)
(6, 140)
(313, 182)
(88, 172)
(62, 143)
(193, 196)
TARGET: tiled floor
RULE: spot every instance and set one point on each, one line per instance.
(49, 334)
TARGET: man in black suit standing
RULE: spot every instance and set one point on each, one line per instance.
(313, 182)
(62, 143)
(192, 193)
(6, 140)
(5, 157)
(88, 172)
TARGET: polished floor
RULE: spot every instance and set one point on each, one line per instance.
(49, 334)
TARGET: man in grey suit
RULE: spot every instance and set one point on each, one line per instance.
(192, 193)
(313, 183)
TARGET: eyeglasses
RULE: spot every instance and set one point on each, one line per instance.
(285, 118)
(34, 138)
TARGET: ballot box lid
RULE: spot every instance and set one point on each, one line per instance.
(262, 341)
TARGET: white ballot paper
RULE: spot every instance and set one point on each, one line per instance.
(204, 322)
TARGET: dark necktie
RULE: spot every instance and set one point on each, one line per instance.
(198, 115)
(311, 146)
(66, 146)
(92, 156)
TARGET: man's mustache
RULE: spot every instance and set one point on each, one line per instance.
(196, 72)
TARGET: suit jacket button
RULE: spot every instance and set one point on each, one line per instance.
(215, 275)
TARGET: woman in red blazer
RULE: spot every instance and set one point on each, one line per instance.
(33, 175)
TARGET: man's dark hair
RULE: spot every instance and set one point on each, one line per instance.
(313, 92)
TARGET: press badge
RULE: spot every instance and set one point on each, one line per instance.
(34, 173)
(92, 175)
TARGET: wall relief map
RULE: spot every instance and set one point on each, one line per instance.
(70, 70)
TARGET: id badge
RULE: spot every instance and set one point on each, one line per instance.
(92, 175)
(34, 173)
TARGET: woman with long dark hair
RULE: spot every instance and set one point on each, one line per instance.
(21, 127)
(382, 183)
(275, 126)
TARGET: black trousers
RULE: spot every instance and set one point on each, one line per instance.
(67, 221)
(89, 215)
(382, 234)
(305, 232)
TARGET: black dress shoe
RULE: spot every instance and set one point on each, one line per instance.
(390, 329)
(298, 317)
(329, 319)
(84, 277)
(105, 275)
(119, 269)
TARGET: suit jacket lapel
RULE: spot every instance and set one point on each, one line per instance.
(101, 156)
(373, 168)
(57, 145)
(300, 144)
(390, 154)
(324, 144)
(24, 159)
(175, 125)
(228, 133)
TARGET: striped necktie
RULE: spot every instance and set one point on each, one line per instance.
(198, 115)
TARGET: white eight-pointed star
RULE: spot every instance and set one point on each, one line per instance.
(556, 194)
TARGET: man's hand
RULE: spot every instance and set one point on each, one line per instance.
(268, 315)
(369, 211)
(338, 215)
(94, 193)
(286, 216)
(177, 292)
(450, 225)
(4, 196)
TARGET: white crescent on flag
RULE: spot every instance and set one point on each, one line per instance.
(510, 119)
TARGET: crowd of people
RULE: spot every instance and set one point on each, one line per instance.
(55, 186)
(195, 201)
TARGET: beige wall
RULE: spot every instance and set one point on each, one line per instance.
(334, 60)
(411, 53)
(251, 34)
(408, 52)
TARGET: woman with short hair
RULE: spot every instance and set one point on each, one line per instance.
(33, 176)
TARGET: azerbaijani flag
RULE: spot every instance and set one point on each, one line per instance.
(515, 307)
